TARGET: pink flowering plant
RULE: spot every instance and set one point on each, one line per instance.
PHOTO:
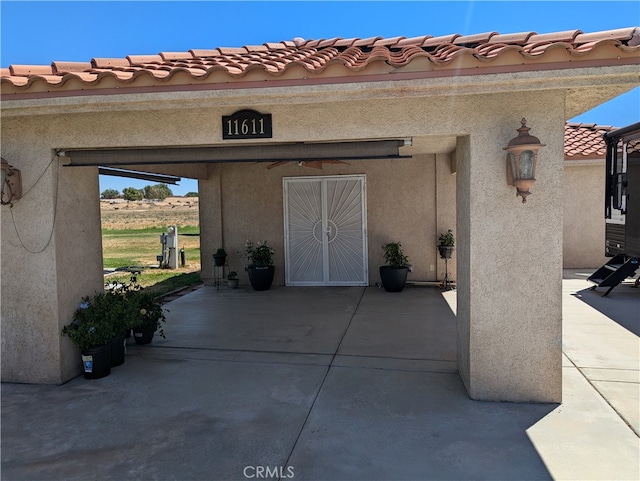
(259, 254)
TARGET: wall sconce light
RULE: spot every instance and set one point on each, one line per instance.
(11, 184)
(521, 160)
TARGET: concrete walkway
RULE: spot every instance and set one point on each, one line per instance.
(328, 384)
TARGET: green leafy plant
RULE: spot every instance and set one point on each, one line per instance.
(100, 318)
(232, 276)
(447, 239)
(149, 312)
(106, 315)
(221, 252)
(394, 256)
(260, 254)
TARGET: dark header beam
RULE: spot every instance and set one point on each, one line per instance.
(363, 150)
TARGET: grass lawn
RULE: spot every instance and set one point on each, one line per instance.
(123, 248)
(139, 247)
(159, 281)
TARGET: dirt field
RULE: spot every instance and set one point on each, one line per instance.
(121, 214)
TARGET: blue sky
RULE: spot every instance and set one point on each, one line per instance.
(41, 32)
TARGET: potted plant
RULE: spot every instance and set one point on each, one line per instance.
(445, 244)
(232, 279)
(394, 274)
(120, 311)
(150, 316)
(260, 268)
(93, 331)
(220, 257)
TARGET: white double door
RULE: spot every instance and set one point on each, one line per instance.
(325, 231)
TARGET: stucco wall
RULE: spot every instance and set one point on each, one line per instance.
(508, 254)
(400, 207)
(446, 210)
(584, 224)
(51, 255)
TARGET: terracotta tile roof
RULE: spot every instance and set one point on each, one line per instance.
(585, 141)
(304, 61)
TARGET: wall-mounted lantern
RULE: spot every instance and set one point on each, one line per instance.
(11, 183)
(521, 160)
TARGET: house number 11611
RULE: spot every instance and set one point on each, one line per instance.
(235, 128)
(246, 124)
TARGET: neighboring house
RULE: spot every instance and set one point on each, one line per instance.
(583, 232)
(365, 140)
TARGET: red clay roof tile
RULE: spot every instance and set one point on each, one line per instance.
(584, 141)
(365, 42)
(199, 53)
(66, 67)
(518, 38)
(109, 62)
(28, 70)
(618, 34)
(388, 42)
(142, 59)
(442, 40)
(478, 38)
(565, 36)
(315, 56)
(418, 41)
(166, 56)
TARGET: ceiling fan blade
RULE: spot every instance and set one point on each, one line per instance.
(277, 164)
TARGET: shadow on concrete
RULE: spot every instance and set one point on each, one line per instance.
(622, 305)
(319, 383)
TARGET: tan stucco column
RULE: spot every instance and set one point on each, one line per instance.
(210, 221)
(445, 210)
(51, 258)
(509, 267)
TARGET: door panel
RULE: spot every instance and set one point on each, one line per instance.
(346, 235)
(325, 238)
(304, 257)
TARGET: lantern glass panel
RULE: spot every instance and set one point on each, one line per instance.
(514, 165)
(526, 165)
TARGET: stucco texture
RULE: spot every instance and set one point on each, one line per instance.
(584, 225)
(51, 255)
(508, 254)
(400, 207)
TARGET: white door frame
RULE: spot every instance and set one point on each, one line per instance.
(364, 281)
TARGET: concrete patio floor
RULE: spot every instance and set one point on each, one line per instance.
(331, 384)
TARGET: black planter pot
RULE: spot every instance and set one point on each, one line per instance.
(219, 259)
(96, 362)
(261, 278)
(393, 278)
(445, 251)
(118, 350)
(143, 336)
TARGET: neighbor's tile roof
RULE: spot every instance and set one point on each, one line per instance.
(302, 61)
(585, 141)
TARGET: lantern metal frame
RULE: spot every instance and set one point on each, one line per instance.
(522, 160)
